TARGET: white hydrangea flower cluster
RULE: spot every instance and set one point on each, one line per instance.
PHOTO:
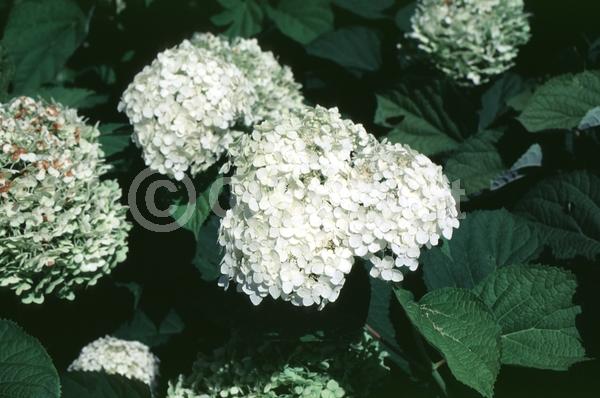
(194, 100)
(130, 359)
(231, 371)
(315, 191)
(276, 90)
(184, 108)
(403, 203)
(285, 236)
(471, 40)
(60, 225)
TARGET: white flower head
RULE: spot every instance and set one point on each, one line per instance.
(130, 359)
(195, 99)
(284, 237)
(314, 192)
(471, 40)
(276, 90)
(404, 203)
(184, 108)
(60, 225)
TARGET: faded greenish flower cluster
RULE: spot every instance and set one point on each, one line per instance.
(350, 370)
(471, 40)
(60, 225)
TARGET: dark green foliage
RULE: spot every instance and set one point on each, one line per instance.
(480, 311)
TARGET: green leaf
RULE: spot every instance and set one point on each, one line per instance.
(484, 241)
(79, 98)
(200, 209)
(26, 370)
(101, 385)
(379, 321)
(562, 102)
(135, 289)
(458, 324)
(370, 9)
(114, 138)
(590, 120)
(40, 36)
(533, 305)
(565, 211)
(494, 100)
(303, 23)
(476, 162)
(357, 49)
(244, 17)
(532, 157)
(141, 328)
(425, 123)
(378, 317)
(209, 253)
(7, 72)
(170, 326)
(404, 16)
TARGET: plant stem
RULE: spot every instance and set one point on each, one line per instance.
(435, 375)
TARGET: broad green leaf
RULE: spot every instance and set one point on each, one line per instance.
(425, 123)
(370, 9)
(201, 209)
(533, 305)
(562, 102)
(101, 385)
(305, 22)
(135, 289)
(494, 100)
(404, 16)
(7, 72)
(378, 317)
(462, 328)
(209, 253)
(476, 162)
(114, 138)
(379, 321)
(565, 211)
(40, 36)
(79, 98)
(244, 17)
(357, 49)
(171, 325)
(26, 370)
(594, 51)
(533, 157)
(590, 120)
(141, 328)
(484, 241)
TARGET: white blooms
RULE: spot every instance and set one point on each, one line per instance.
(285, 236)
(60, 225)
(471, 40)
(130, 359)
(276, 90)
(184, 107)
(316, 191)
(194, 100)
(404, 202)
